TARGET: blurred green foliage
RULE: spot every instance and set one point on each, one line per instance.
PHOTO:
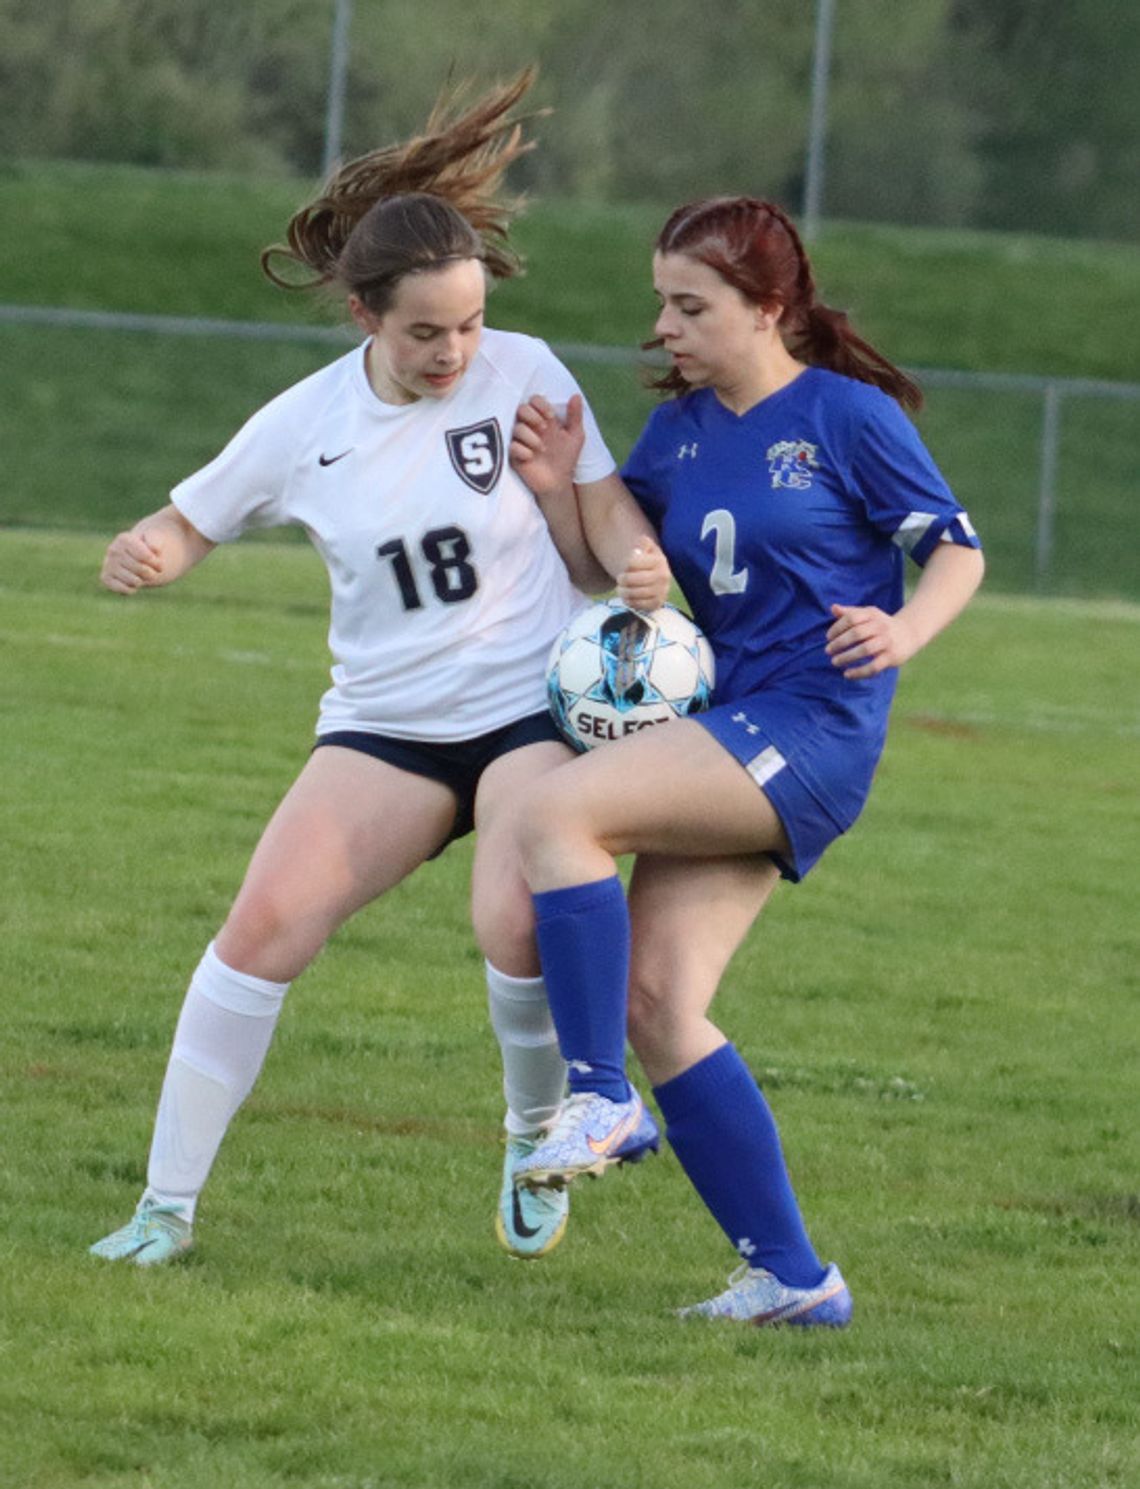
(997, 113)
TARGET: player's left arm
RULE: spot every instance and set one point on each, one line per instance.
(864, 640)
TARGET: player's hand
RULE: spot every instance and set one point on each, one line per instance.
(131, 563)
(864, 640)
(544, 447)
(644, 582)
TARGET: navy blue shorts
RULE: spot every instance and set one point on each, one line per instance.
(814, 763)
(458, 764)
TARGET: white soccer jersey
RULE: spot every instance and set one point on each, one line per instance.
(447, 589)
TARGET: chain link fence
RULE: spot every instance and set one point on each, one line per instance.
(1009, 120)
(1059, 520)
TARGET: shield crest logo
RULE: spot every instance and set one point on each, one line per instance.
(477, 454)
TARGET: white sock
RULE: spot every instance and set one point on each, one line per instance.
(223, 1034)
(534, 1072)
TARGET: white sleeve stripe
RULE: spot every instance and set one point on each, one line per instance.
(961, 525)
(915, 525)
(912, 529)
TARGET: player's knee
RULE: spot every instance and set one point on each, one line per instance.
(504, 930)
(262, 929)
(668, 999)
(652, 1006)
(549, 822)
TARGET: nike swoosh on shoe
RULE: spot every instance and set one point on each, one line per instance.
(520, 1225)
(617, 1134)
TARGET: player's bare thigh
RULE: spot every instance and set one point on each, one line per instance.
(688, 916)
(349, 828)
(670, 789)
(501, 911)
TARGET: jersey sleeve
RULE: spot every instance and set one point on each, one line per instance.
(558, 385)
(244, 486)
(902, 489)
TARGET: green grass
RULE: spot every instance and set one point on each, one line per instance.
(943, 1015)
(97, 425)
(122, 238)
(94, 440)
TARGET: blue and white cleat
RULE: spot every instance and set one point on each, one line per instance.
(754, 1296)
(154, 1234)
(529, 1222)
(589, 1134)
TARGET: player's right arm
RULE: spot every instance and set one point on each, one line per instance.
(156, 551)
(544, 448)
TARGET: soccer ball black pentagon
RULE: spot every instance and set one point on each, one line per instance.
(614, 670)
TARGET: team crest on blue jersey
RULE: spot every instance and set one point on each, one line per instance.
(791, 462)
(477, 453)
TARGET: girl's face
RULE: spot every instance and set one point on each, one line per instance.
(715, 336)
(424, 342)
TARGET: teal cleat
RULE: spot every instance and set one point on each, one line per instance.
(590, 1134)
(154, 1234)
(529, 1222)
(754, 1296)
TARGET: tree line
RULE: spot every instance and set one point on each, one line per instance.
(1012, 114)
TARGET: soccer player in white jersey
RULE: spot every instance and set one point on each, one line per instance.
(787, 486)
(449, 583)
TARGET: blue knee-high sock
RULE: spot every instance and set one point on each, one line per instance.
(721, 1129)
(583, 940)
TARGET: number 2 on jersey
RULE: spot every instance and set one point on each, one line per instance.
(446, 550)
(723, 578)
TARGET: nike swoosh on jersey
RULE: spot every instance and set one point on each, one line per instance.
(332, 459)
(617, 1134)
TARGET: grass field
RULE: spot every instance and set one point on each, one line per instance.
(943, 1015)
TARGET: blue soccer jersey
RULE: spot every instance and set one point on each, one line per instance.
(813, 497)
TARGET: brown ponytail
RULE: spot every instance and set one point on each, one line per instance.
(828, 340)
(415, 205)
(754, 246)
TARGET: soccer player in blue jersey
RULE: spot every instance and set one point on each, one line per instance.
(787, 487)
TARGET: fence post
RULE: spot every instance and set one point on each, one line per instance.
(817, 128)
(338, 68)
(1046, 491)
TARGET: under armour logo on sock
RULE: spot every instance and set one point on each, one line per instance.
(580, 1067)
(746, 1248)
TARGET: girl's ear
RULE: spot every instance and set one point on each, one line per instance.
(363, 317)
(768, 316)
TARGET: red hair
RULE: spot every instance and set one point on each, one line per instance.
(754, 246)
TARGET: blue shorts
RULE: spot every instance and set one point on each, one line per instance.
(814, 762)
(458, 764)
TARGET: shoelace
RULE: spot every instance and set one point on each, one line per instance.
(542, 1199)
(574, 1113)
(155, 1218)
(745, 1269)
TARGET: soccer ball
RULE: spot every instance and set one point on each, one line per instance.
(614, 670)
